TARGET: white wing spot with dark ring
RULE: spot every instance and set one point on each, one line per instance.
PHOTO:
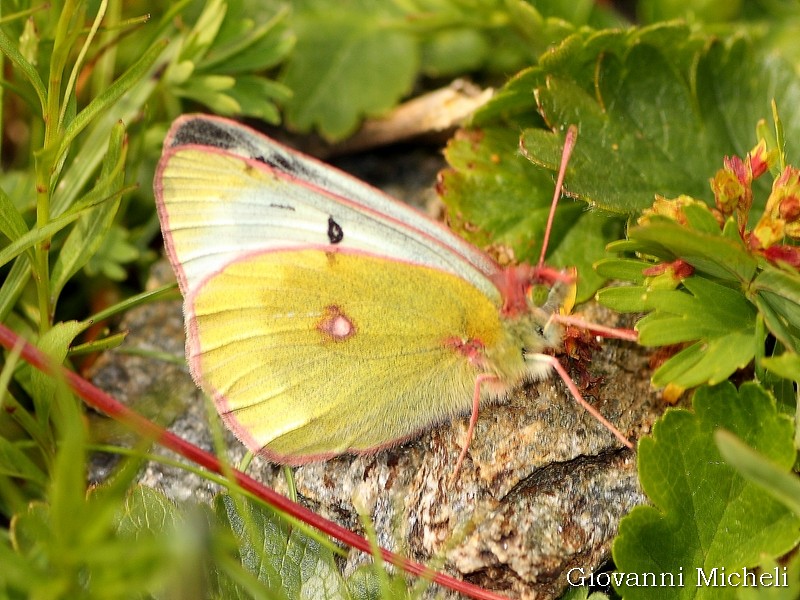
(335, 325)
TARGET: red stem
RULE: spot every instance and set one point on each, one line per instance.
(100, 400)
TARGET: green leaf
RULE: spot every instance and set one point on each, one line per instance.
(720, 317)
(101, 545)
(783, 584)
(55, 344)
(13, 286)
(193, 542)
(777, 482)
(343, 47)
(91, 229)
(494, 190)
(706, 363)
(653, 98)
(81, 170)
(778, 296)
(12, 225)
(787, 365)
(677, 315)
(115, 91)
(112, 256)
(205, 30)
(624, 298)
(15, 248)
(31, 527)
(582, 593)
(721, 320)
(705, 514)
(222, 57)
(15, 463)
(252, 94)
(147, 511)
(366, 583)
(351, 60)
(708, 10)
(109, 342)
(251, 38)
(285, 559)
(709, 253)
(363, 585)
(10, 49)
(620, 268)
(656, 101)
(454, 51)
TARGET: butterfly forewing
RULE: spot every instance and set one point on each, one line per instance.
(278, 198)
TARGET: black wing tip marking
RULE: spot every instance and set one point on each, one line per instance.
(205, 133)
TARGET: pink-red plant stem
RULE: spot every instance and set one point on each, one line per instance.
(100, 400)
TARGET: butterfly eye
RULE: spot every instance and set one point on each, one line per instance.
(537, 294)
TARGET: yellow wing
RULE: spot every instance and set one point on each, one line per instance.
(311, 353)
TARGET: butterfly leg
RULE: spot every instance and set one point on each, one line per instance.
(473, 420)
(553, 362)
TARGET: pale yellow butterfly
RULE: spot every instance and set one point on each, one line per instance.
(325, 317)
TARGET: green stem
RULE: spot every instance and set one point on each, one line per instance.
(101, 11)
(41, 269)
(44, 159)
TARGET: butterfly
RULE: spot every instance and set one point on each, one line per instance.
(324, 317)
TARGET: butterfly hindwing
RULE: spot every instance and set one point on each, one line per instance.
(310, 353)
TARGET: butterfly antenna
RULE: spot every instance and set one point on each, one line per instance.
(569, 144)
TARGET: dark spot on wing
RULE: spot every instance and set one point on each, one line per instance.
(286, 163)
(335, 232)
(279, 162)
(282, 206)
